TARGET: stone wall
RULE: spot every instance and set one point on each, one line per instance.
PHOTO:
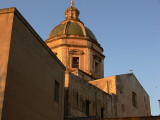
(123, 86)
(6, 21)
(127, 85)
(108, 84)
(128, 118)
(87, 52)
(79, 92)
(31, 75)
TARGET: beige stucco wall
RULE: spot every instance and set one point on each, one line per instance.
(6, 21)
(31, 74)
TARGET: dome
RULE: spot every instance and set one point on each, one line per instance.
(72, 28)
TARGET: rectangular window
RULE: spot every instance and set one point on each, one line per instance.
(77, 99)
(96, 67)
(75, 62)
(56, 91)
(134, 99)
(87, 107)
(102, 112)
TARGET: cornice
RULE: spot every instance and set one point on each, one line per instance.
(65, 36)
(8, 10)
(80, 46)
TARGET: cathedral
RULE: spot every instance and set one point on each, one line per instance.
(87, 92)
(63, 77)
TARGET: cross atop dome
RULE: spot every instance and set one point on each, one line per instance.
(72, 3)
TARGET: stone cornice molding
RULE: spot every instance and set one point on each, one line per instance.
(76, 52)
(80, 46)
(97, 58)
(65, 36)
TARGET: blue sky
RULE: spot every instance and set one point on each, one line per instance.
(128, 30)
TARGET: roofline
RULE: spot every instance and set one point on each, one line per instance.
(67, 36)
(87, 82)
(8, 10)
(24, 21)
(135, 78)
(77, 69)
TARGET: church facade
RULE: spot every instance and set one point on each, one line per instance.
(87, 92)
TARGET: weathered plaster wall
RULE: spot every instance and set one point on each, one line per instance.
(123, 86)
(6, 21)
(32, 71)
(79, 91)
(108, 84)
(126, 85)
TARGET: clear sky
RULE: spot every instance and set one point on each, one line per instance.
(128, 30)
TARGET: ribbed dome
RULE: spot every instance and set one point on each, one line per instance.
(72, 28)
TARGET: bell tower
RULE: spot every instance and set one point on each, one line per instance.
(76, 45)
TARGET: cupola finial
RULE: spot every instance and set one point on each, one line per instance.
(72, 13)
(72, 3)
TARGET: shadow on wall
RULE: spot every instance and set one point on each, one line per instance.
(80, 103)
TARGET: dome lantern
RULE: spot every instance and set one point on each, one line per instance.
(72, 13)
